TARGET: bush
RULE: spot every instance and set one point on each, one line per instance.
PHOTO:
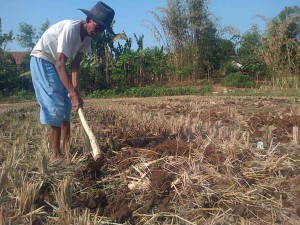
(238, 80)
(24, 95)
(206, 89)
(227, 68)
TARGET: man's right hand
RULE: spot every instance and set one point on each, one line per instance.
(76, 100)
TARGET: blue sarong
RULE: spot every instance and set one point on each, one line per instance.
(55, 105)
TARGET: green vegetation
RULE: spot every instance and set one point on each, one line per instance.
(190, 49)
(24, 95)
(151, 92)
(238, 80)
(291, 93)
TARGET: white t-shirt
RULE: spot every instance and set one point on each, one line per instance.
(63, 37)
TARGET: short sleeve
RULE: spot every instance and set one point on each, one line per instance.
(66, 40)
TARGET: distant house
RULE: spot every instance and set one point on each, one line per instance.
(18, 56)
(236, 64)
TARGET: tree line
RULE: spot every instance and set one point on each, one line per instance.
(191, 47)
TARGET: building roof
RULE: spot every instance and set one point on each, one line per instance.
(18, 56)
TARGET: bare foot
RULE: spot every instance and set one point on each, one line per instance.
(56, 158)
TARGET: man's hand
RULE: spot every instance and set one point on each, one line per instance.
(71, 86)
(76, 100)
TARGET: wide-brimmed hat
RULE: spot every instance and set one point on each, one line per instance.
(102, 14)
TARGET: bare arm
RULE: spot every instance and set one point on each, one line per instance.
(75, 69)
(62, 72)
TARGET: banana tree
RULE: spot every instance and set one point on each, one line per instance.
(156, 64)
(103, 54)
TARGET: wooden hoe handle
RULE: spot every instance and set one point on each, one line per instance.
(94, 144)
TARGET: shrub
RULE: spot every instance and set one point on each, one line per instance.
(24, 95)
(238, 80)
(206, 89)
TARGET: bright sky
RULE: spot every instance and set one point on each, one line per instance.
(132, 15)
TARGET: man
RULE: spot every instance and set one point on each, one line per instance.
(54, 90)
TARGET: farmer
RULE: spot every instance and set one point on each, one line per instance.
(55, 90)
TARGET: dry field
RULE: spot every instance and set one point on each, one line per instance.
(171, 160)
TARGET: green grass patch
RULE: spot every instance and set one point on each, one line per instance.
(19, 96)
(151, 92)
(293, 93)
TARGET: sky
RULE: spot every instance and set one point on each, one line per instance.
(133, 16)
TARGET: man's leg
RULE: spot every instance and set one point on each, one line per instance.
(65, 134)
(52, 98)
(55, 134)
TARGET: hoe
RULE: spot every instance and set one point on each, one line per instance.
(94, 144)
